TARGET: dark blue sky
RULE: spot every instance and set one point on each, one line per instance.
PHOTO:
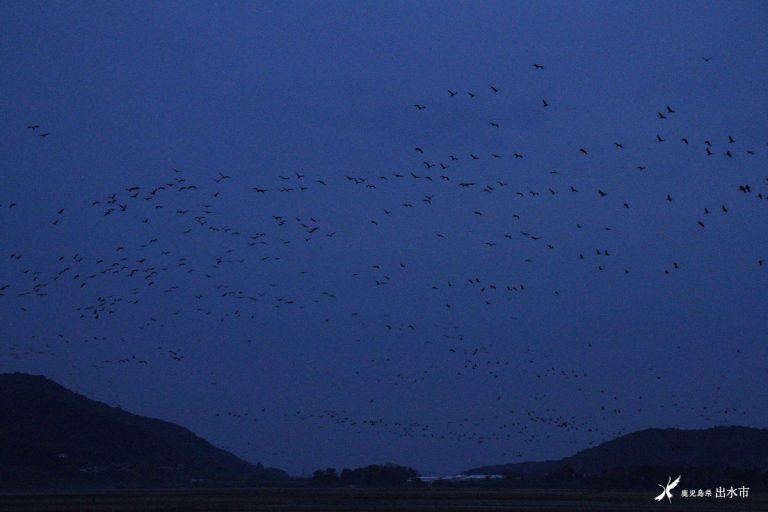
(511, 336)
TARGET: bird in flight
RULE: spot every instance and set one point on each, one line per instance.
(665, 493)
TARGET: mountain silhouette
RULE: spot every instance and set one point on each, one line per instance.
(51, 437)
(741, 448)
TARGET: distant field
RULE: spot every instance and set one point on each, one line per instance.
(430, 499)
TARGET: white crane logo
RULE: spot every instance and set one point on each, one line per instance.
(670, 485)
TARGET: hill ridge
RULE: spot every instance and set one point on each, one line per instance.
(53, 436)
(720, 447)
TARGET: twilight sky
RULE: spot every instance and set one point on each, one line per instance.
(283, 230)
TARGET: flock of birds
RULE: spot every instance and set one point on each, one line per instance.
(499, 210)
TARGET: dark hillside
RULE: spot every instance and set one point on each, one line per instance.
(51, 437)
(718, 448)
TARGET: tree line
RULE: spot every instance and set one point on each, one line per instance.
(376, 475)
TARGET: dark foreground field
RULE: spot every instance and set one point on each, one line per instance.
(430, 499)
